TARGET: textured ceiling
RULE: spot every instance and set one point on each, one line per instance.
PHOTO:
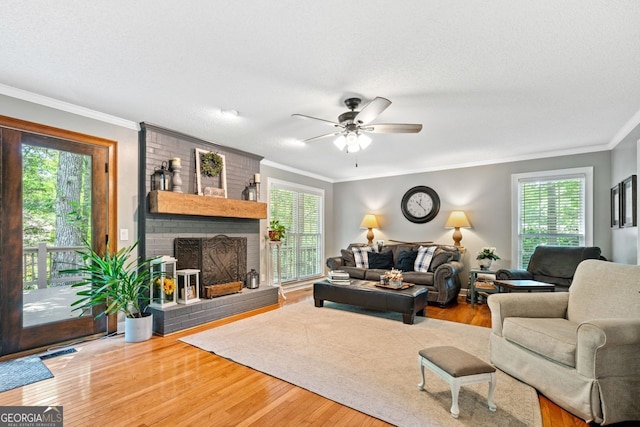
(490, 81)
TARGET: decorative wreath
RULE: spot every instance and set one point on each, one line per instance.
(210, 164)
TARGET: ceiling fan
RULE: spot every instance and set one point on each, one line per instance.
(352, 125)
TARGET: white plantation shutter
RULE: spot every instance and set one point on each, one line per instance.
(300, 209)
(553, 208)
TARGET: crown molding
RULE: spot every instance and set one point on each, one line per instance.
(66, 106)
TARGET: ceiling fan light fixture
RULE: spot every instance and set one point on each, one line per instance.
(364, 141)
(340, 142)
(352, 138)
(353, 148)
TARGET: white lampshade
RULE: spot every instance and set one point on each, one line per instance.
(369, 221)
(340, 142)
(352, 138)
(353, 148)
(457, 219)
(363, 141)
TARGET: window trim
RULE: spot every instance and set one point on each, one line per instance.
(516, 178)
(293, 186)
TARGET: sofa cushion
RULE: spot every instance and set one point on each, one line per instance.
(347, 256)
(418, 278)
(374, 274)
(406, 260)
(552, 338)
(423, 260)
(383, 260)
(361, 257)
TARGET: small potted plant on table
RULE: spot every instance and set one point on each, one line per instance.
(276, 230)
(486, 256)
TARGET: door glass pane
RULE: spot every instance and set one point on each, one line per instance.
(56, 214)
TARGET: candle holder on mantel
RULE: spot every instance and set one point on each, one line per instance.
(175, 166)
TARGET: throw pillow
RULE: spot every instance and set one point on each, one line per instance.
(360, 256)
(347, 256)
(406, 260)
(382, 260)
(423, 260)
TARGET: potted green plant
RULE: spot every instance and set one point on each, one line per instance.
(114, 283)
(486, 256)
(276, 230)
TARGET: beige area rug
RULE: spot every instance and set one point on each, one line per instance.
(369, 361)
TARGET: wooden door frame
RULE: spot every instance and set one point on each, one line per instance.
(9, 223)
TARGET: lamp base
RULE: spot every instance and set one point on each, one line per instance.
(457, 236)
(370, 237)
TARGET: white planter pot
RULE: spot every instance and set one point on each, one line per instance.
(485, 263)
(138, 329)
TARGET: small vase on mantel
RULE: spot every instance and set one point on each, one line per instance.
(485, 263)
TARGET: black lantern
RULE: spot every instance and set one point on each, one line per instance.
(160, 178)
(250, 192)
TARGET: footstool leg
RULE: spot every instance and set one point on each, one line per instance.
(492, 386)
(421, 385)
(455, 391)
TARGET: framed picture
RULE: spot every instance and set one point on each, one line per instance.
(211, 173)
(628, 192)
(615, 206)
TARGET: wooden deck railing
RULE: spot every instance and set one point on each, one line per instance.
(41, 265)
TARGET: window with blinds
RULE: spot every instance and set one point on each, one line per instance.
(552, 209)
(300, 210)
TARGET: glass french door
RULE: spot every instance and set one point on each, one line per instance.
(55, 199)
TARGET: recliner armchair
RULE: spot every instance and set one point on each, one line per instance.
(552, 264)
(579, 350)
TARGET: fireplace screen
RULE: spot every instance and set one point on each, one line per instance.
(220, 259)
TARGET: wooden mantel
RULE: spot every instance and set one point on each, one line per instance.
(167, 202)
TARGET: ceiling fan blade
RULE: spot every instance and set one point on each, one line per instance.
(305, 117)
(372, 110)
(392, 128)
(322, 136)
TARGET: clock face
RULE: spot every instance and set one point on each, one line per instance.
(420, 204)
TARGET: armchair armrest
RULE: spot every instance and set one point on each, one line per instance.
(334, 263)
(540, 304)
(608, 347)
(447, 282)
(513, 274)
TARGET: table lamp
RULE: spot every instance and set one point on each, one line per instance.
(369, 221)
(457, 219)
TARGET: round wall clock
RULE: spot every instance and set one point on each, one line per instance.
(420, 204)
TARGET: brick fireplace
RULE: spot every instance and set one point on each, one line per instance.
(161, 228)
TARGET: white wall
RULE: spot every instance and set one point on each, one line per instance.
(127, 147)
(484, 193)
(624, 163)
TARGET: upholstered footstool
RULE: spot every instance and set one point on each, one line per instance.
(457, 368)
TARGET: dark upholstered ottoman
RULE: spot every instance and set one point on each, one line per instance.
(363, 293)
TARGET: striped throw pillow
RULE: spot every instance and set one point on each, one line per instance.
(423, 260)
(361, 257)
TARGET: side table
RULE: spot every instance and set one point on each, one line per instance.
(273, 261)
(473, 278)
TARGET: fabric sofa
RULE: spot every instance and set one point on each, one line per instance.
(552, 264)
(440, 277)
(578, 349)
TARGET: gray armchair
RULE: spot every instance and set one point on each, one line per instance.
(579, 350)
(552, 264)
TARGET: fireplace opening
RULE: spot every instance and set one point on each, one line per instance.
(222, 262)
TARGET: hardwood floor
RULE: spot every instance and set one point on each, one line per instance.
(164, 382)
